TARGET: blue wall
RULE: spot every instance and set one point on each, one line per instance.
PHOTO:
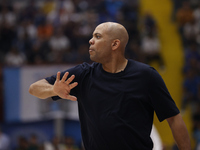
(11, 78)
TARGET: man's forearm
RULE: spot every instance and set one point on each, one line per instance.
(180, 132)
(41, 89)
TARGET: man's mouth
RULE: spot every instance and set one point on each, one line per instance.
(90, 50)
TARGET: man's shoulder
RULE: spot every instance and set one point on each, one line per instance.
(143, 70)
(139, 66)
(87, 66)
(84, 68)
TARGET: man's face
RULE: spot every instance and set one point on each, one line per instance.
(100, 45)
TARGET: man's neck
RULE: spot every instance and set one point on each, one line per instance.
(115, 66)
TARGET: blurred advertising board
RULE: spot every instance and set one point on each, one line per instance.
(19, 105)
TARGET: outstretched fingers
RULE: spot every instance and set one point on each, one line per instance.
(71, 97)
(70, 79)
(64, 76)
(73, 85)
(58, 76)
(63, 86)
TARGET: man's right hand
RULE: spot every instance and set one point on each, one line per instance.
(63, 87)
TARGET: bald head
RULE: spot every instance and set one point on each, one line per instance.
(116, 31)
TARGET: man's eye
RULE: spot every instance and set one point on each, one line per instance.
(97, 36)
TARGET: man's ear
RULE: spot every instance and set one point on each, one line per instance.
(115, 44)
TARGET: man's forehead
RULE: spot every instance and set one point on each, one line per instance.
(100, 29)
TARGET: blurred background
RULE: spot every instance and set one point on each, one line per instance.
(40, 37)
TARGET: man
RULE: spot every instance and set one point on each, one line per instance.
(116, 97)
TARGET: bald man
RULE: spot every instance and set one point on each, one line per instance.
(116, 97)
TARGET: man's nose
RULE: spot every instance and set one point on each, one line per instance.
(91, 41)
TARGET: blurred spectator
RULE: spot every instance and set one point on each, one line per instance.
(129, 11)
(42, 147)
(23, 43)
(33, 143)
(191, 89)
(192, 52)
(31, 10)
(53, 17)
(59, 44)
(57, 144)
(27, 27)
(15, 58)
(151, 50)
(54, 145)
(37, 53)
(4, 141)
(7, 16)
(27, 10)
(103, 13)
(59, 41)
(22, 143)
(196, 14)
(176, 6)
(62, 13)
(69, 144)
(40, 18)
(192, 64)
(45, 30)
(133, 51)
(83, 54)
(90, 19)
(128, 16)
(149, 24)
(184, 15)
(68, 30)
(7, 36)
(47, 146)
(194, 3)
(109, 9)
(190, 32)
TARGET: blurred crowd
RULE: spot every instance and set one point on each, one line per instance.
(188, 19)
(49, 31)
(55, 32)
(33, 143)
(56, 143)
